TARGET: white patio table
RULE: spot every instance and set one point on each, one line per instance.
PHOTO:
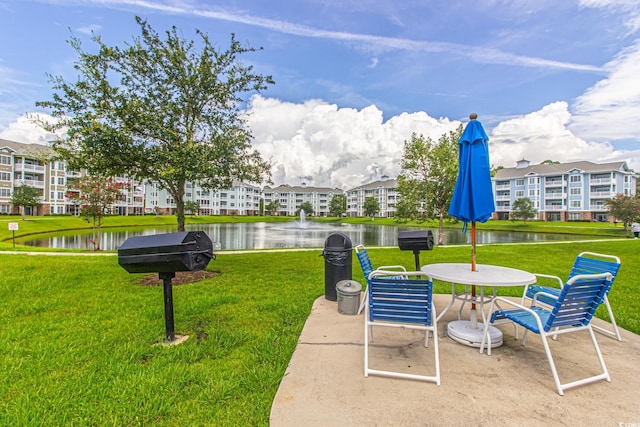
(469, 332)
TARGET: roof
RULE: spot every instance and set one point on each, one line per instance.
(560, 169)
(387, 183)
(300, 189)
(24, 149)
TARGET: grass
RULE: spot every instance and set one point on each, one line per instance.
(78, 332)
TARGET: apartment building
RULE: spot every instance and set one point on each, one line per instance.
(384, 191)
(563, 191)
(21, 164)
(291, 197)
(241, 199)
(560, 191)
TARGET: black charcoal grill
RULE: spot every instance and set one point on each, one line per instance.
(166, 254)
(415, 241)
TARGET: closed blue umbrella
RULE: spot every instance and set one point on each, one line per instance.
(472, 199)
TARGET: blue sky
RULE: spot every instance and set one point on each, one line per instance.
(549, 79)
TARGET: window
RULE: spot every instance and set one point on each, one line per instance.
(5, 176)
(575, 178)
(5, 192)
(576, 191)
(533, 181)
(532, 193)
(5, 160)
(576, 204)
(519, 182)
(519, 194)
(574, 216)
(60, 195)
(60, 180)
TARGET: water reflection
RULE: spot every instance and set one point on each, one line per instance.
(262, 235)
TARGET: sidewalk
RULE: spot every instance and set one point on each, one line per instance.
(324, 384)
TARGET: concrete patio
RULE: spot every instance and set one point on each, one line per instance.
(324, 384)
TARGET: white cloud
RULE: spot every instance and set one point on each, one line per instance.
(26, 131)
(543, 135)
(323, 145)
(609, 109)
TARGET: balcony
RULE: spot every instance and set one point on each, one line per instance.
(553, 207)
(598, 208)
(554, 183)
(36, 183)
(28, 167)
(600, 195)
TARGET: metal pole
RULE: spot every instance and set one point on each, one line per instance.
(168, 305)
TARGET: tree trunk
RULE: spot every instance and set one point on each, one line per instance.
(440, 227)
(179, 199)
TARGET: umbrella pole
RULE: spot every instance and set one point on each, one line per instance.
(474, 314)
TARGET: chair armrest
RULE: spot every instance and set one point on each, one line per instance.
(544, 294)
(392, 267)
(548, 276)
(382, 273)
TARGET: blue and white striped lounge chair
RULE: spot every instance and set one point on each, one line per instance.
(367, 269)
(571, 311)
(585, 263)
(400, 302)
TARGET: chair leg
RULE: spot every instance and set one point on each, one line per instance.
(562, 387)
(554, 371)
(615, 333)
(366, 340)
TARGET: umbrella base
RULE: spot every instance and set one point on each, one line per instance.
(461, 331)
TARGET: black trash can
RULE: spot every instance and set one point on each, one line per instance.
(337, 263)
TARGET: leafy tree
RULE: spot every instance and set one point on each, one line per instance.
(306, 207)
(192, 206)
(272, 207)
(95, 196)
(523, 209)
(338, 205)
(624, 208)
(25, 196)
(428, 177)
(371, 207)
(161, 110)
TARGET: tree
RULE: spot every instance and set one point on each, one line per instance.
(192, 207)
(338, 205)
(624, 208)
(272, 207)
(158, 109)
(25, 196)
(306, 207)
(371, 207)
(428, 177)
(95, 196)
(522, 208)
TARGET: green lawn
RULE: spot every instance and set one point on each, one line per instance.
(78, 332)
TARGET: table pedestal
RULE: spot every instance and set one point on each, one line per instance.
(462, 331)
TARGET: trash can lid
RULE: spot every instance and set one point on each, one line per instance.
(349, 287)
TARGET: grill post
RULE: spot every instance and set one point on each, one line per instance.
(168, 305)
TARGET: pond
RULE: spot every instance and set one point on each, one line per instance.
(294, 234)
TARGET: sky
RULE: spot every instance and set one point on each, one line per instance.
(549, 80)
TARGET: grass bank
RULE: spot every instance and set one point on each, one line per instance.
(78, 331)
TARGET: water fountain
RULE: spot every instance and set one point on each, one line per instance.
(303, 219)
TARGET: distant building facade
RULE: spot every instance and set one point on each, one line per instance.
(560, 192)
(384, 191)
(563, 191)
(290, 198)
